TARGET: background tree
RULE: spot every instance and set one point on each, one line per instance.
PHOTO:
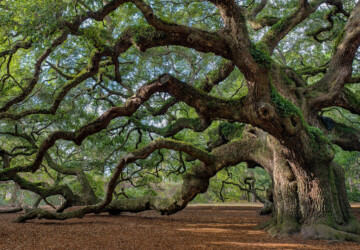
(90, 89)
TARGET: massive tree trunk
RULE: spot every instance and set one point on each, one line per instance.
(311, 199)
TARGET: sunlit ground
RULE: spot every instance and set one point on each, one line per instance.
(245, 204)
(200, 226)
(355, 205)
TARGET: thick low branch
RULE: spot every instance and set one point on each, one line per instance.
(195, 180)
(45, 192)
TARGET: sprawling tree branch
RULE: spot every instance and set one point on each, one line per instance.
(207, 106)
(194, 181)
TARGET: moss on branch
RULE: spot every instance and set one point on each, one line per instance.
(146, 32)
(286, 107)
(260, 53)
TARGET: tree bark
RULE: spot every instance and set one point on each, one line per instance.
(311, 200)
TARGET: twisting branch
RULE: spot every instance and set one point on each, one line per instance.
(259, 23)
(329, 18)
(349, 101)
(209, 107)
(340, 67)
(281, 28)
(37, 71)
(195, 180)
(15, 47)
(218, 75)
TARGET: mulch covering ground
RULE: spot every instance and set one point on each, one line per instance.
(196, 227)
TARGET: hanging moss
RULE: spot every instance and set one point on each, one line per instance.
(318, 139)
(261, 55)
(285, 78)
(338, 39)
(277, 28)
(286, 107)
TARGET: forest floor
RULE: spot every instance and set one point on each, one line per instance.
(196, 227)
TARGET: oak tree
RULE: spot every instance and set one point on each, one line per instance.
(109, 89)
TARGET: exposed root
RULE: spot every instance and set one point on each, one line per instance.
(323, 232)
(311, 231)
(268, 208)
(264, 225)
(288, 226)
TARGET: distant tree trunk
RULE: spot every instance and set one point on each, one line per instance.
(14, 195)
(37, 201)
(3, 194)
(250, 182)
(350, 181)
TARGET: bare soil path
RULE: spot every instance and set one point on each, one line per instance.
(196, 227)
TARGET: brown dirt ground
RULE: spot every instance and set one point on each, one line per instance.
(196, 227)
